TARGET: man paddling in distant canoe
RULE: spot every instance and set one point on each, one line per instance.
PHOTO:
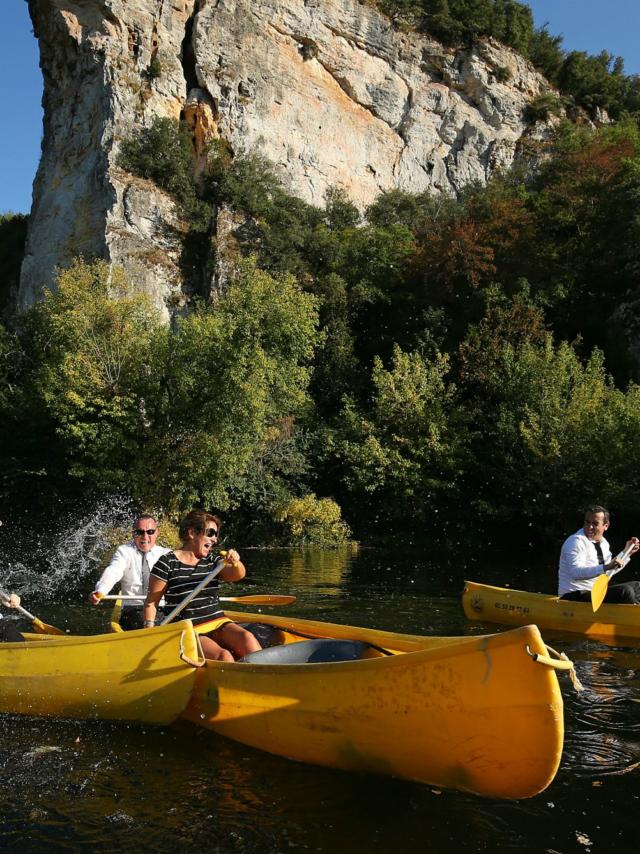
(586, 555)
(131, 565)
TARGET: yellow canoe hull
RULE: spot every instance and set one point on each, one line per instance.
(611, 623)
(476, 714)
(130, 676)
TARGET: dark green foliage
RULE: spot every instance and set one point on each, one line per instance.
(542, 107)
(13, 234)
(155, 68)
(163, 153)
(464, 21)
(595, 81)
(546, 53)
(340, 213)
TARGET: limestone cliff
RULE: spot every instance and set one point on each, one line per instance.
(328, 90)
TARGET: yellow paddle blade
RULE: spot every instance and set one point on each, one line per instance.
(44, 629)
(257, 599)
(38, 625)
(599, 591)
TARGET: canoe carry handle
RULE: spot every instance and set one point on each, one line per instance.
(202, 662)
(559, 662)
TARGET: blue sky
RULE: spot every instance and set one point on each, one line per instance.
(589, 25)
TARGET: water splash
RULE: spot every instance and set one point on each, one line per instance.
(44, 563)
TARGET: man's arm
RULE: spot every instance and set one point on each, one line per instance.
(111, 575)
(574, 561)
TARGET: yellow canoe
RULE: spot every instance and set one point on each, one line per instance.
(611, 623)
(134, 676)
(478, 714)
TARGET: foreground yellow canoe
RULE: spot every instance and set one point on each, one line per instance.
(478, 714)
(611, 623)
(135, 676)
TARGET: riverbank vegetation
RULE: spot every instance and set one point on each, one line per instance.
(432, 368)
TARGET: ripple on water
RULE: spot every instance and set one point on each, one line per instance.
(602, 738)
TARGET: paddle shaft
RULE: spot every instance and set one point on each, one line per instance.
(219, 566)
(4, 596)
(625, 554)
(252, 599)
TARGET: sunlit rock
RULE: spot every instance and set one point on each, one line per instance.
(328, 90)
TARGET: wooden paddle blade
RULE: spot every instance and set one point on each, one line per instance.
(257, 599)
(38, 625)
(44, 629)
(599, 591)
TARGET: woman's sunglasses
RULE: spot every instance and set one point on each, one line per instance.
(211, 532)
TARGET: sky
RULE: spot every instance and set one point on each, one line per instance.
(590, 25)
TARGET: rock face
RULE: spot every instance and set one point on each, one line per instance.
(328, 90)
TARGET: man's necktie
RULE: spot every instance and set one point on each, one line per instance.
(600, 555)
(145, 573)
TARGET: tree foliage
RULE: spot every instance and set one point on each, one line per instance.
(232, 374)
(91, 379)
(472, 360)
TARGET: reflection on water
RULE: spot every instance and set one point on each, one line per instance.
(79, 786)
(326, 571)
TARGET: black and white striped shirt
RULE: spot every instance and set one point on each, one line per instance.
(181, 580)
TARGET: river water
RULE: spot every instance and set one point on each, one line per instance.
(78, 786)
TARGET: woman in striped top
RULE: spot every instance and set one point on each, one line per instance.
(177, 573)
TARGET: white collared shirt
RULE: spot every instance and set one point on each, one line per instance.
(126, 567)
(579, 566)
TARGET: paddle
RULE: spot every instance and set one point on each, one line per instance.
(253, 599)
(601, 584)
(258, 599)
(38, 625)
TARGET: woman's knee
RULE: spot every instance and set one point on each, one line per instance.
(239, 640)
(213, 651)
(251, 642)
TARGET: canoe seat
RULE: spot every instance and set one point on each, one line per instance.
(315, 651)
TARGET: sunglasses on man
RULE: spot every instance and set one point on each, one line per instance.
(140, 532)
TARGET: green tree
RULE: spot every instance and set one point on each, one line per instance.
(595, 81)
(90, 344)
(400, 450)
(163, 153)
(97, 345)
(548, 432)
(235, 376)
(546, 53)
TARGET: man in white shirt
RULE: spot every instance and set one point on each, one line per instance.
(586, 554)
(130, 566)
